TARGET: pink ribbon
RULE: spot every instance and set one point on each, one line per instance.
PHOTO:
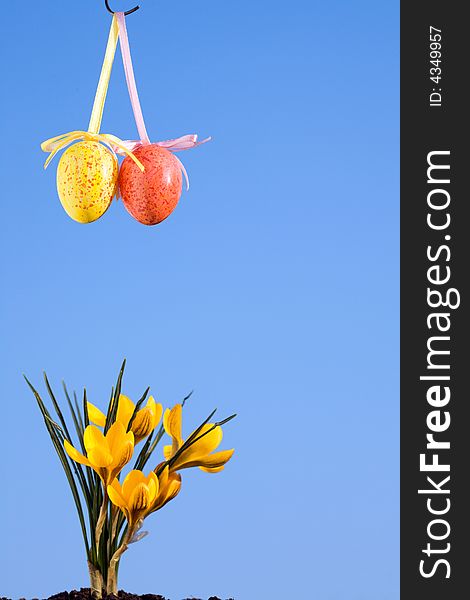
(184, 142)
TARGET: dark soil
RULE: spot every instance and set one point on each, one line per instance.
(84, 594)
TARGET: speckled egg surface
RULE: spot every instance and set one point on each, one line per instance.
(152, 195)
(86, 180)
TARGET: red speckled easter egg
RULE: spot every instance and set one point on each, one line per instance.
(152, 195)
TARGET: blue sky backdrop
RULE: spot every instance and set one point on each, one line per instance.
(272, 291)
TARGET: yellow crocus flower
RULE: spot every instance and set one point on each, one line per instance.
(140, 495)
(199, 454)
(105, 454)
(145, 420)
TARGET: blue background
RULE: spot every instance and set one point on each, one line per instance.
(272, 290)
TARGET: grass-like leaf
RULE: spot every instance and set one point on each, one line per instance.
(113, 406)
(57, 407)
(183, 402)
(137, 407)
(77, 411)
(58, 446)
(86, 418)
(76, 417)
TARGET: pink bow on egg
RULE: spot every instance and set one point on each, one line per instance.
(185, 142)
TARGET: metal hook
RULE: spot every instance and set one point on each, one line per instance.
(128, 12)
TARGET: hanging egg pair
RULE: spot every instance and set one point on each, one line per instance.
(88, 176)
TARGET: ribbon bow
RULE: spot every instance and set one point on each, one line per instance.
(57, 143)
(185, 142)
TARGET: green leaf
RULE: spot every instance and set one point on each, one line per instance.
(187, 398)
(76, 419)
(112, 409)
(86, 419)
(143, 452)
(77, 412)
(64, 461)
(110, 405)
(57, 408)
(78, 469)
(137, 407)
(152, 447)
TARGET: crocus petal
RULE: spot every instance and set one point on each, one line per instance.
(95, 415)
(115, 496)
(152, 490)
(93, 437)
(116, 437)
(99, 457)
(172, 422)
(163, 477)
(120, 460)
(153, 486)
(170, 491)
(213, 469)
(157, 410)
(116, 484)
(75, 454)
(173, 488)
(133, 478)
(125, 410)
(142, 425)
(166, 417)
(206, 444)
(139, 499)
(216, 460)
(167, 452)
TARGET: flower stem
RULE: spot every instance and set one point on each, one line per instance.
(112, 541)
(111, 586)
(96, 581)
(101, 520)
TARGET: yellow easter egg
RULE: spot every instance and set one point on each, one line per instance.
(86, 180)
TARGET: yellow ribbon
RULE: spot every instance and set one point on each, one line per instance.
(102, 89)
(53, 145)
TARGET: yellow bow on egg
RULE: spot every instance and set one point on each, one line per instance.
(55, 144)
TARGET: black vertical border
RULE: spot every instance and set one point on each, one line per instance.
(425, 129)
